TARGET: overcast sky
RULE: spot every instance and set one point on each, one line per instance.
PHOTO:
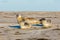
(29, 5)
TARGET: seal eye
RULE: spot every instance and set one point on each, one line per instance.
(42, 19)
(26, 23)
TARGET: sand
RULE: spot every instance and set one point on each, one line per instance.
(9, 19)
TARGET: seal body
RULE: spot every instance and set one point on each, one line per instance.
(26, 22)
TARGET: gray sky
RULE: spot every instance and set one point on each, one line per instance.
(29, 5)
